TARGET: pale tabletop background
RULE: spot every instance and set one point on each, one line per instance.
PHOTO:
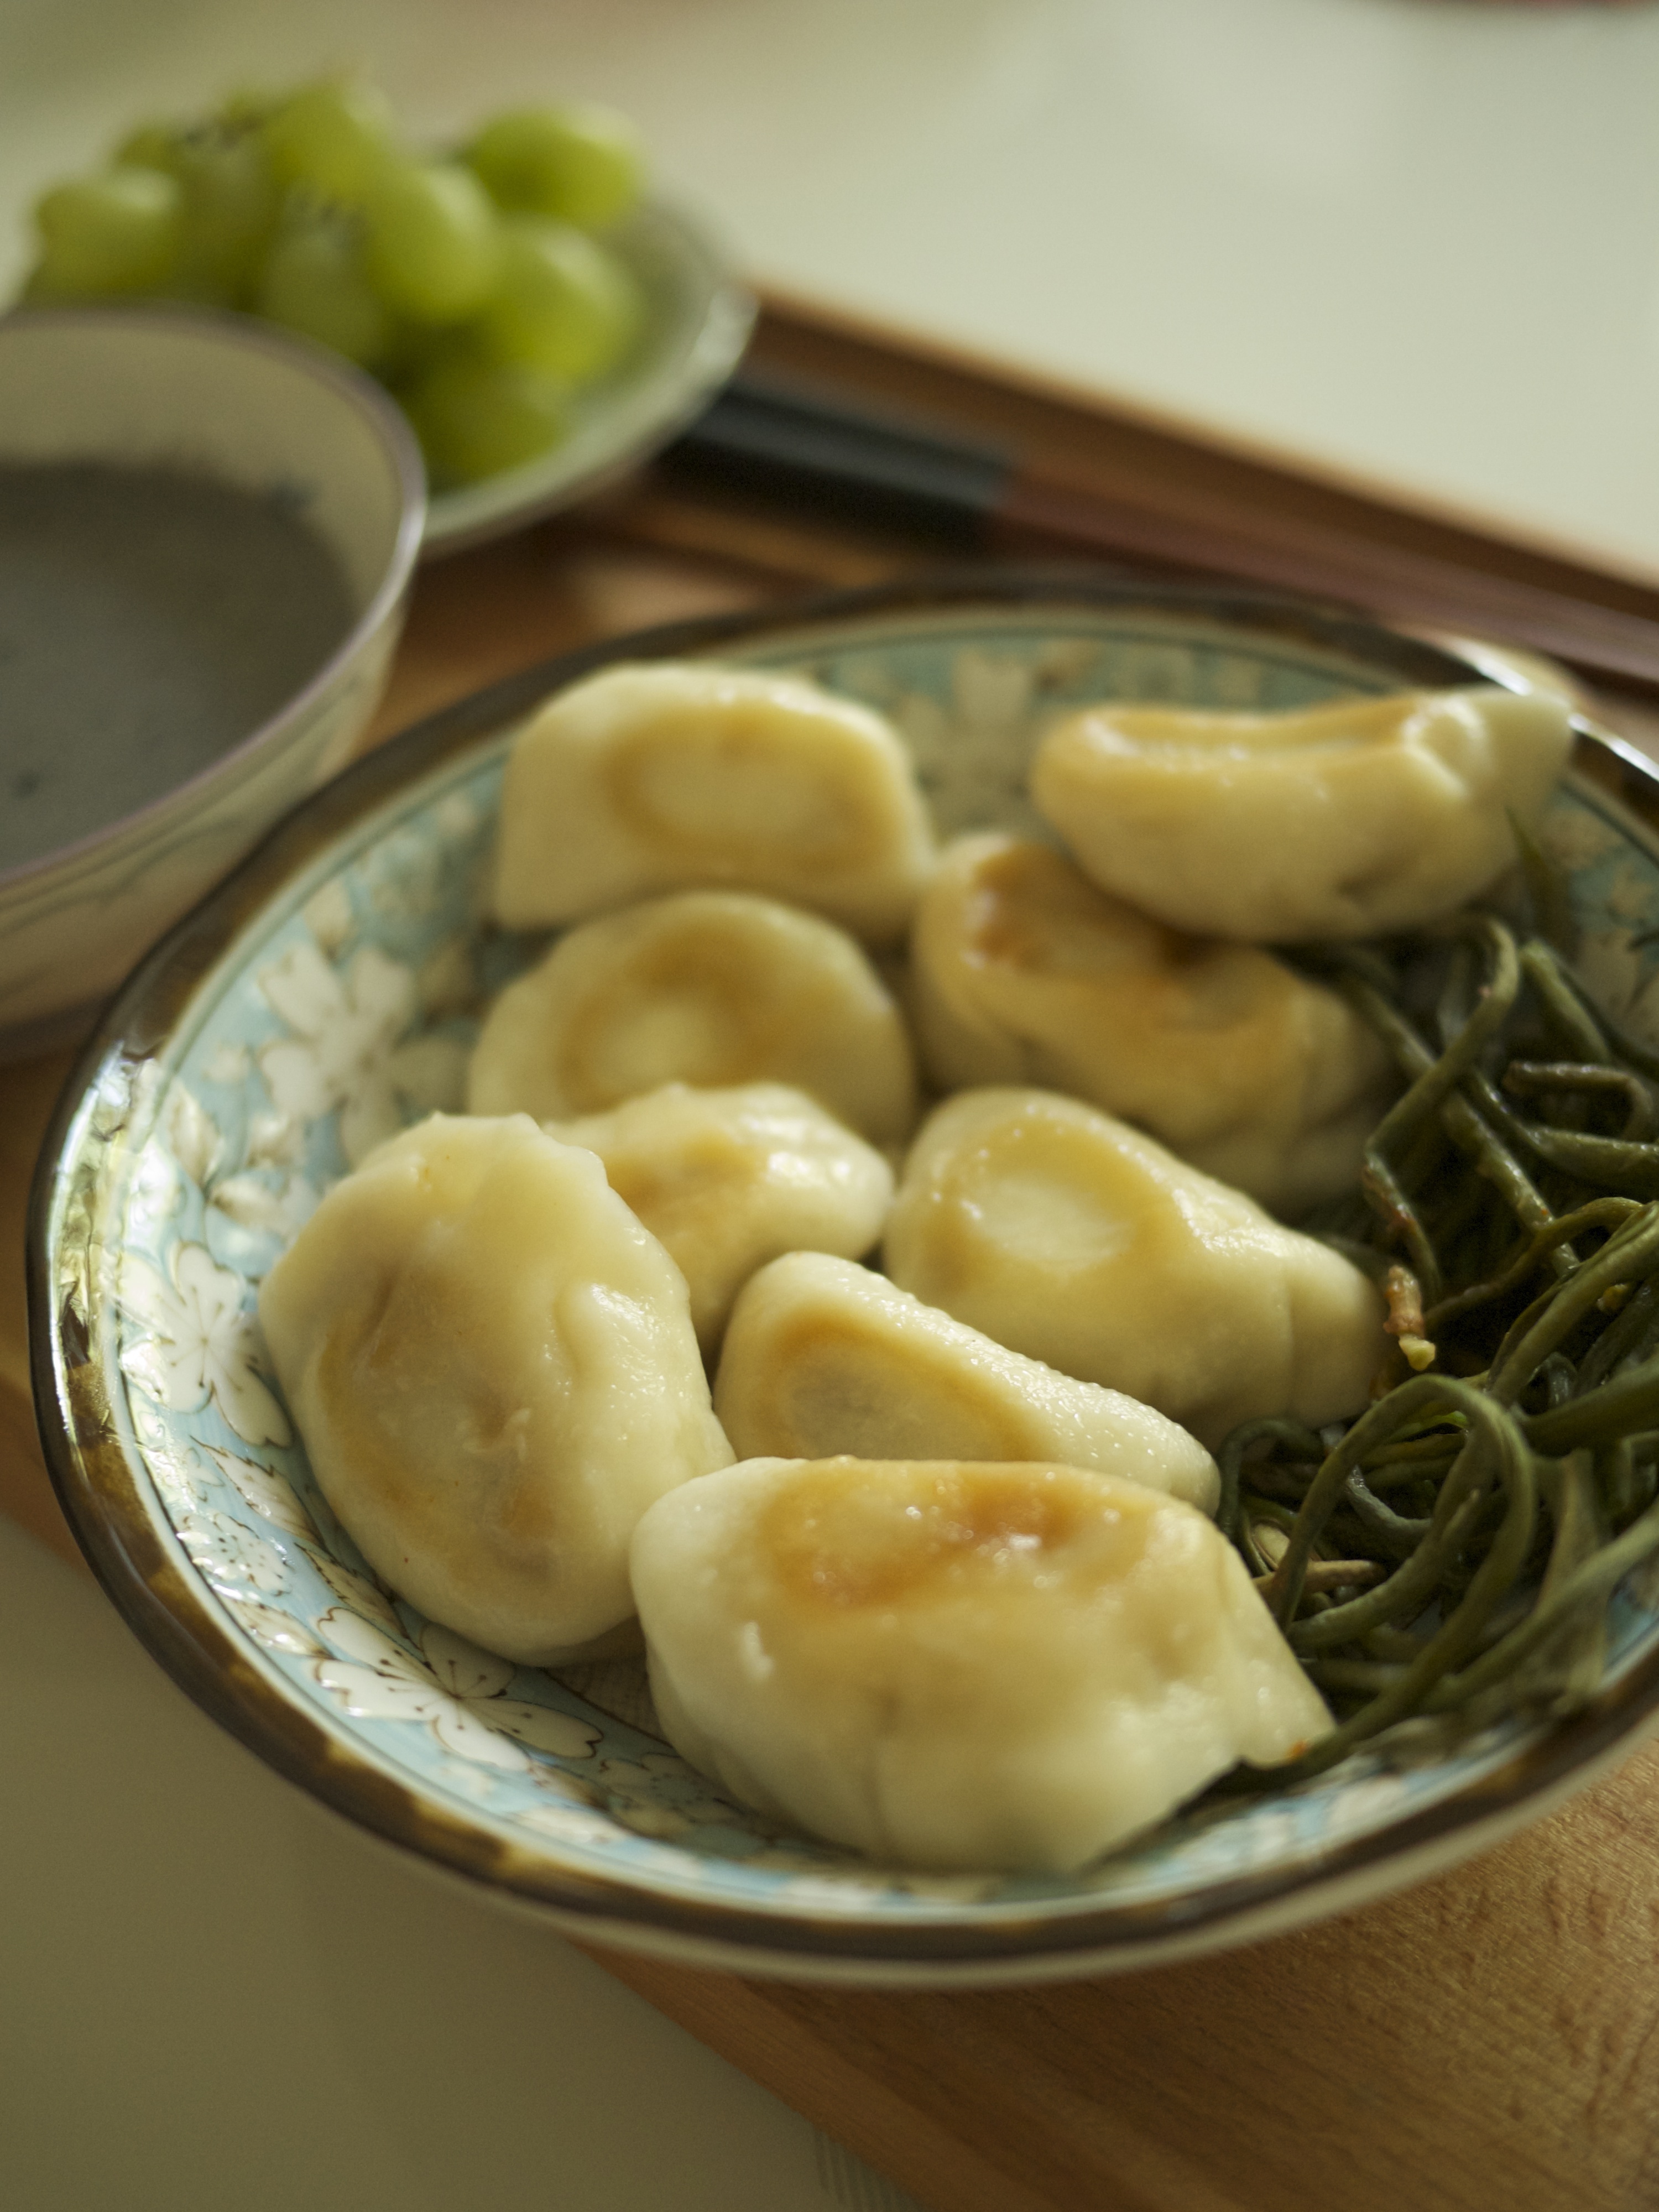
(1409, 247)
(1416, 244)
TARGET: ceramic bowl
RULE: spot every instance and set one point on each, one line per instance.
(325, 994)
(225, 398)
(697, 323)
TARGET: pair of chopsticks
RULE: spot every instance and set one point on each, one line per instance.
(768, 440)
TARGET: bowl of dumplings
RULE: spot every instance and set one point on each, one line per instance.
(805, 1291)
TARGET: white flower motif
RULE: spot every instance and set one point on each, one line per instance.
(182, 1483)
(328, 914)
(357, 1593)
(270, 1494)
(455, 1691)
(227, 1066)
(274, 1140)
(154, 1193)
(224, 1552)
(409, 876)
(253, 1204)
(455, 818)
(634, 1794)
(192, 1135)
(990, 692)
(203, 1344)
(271, 1628)
(345, 1052)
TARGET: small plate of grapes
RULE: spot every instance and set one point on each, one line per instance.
(545, 320)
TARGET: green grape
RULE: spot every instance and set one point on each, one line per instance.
(247, 108)
(431, 241)
(231, 203)
(229, 206)
(113, 233)
(470, 286)
(582, 164)
(151, 146)
(475, 417)
(335, 137)
(562, 304)
(314, 282)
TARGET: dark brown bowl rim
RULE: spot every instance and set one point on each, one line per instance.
(177, 1622)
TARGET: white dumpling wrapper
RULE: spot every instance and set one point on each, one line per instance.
(1338, 821)
(713, 988)
(1026, 972)
(826, 1359)
(959, 1665)
(682, 774)
(1071, 1237)
(727, 1180)
(494, 1370)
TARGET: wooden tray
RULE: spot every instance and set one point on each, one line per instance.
(1489, 2039)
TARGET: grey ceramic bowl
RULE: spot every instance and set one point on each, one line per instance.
(223, 398)
(327, 993)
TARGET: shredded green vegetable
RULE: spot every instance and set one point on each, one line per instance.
(1448, 1557)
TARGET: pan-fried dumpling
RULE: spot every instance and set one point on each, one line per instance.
(494, 1370)
(953, 1664)
(713, 988)
(1339, 821)
(727, 1180)
(678, 776)
(1026, 973)
(824, 1359)
(1073, 1238)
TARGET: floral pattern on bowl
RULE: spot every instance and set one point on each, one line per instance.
(338, 1003)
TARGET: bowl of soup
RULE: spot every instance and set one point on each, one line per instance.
(207, 532)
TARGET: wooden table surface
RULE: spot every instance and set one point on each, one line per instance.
(1489, 2039)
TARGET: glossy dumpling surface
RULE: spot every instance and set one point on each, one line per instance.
(728, 1180)
(825, 1358)
(713, 988)
(950, 1664)
(1339, 821)
(676, 775)
(1026, 972)
(1070, 1237)
(494, 1370)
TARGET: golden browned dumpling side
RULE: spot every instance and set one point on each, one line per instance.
(825, 1358)
(713, 988)
(958, 1664)
(1073, 1238)
(1338, 821)
(1025, 972)
(727, 1180)
(681, 775)
(494, 1370)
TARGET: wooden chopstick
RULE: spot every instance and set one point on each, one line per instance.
(780, 442)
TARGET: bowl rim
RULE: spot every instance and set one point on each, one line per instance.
(243, 333)
(98, 1487)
